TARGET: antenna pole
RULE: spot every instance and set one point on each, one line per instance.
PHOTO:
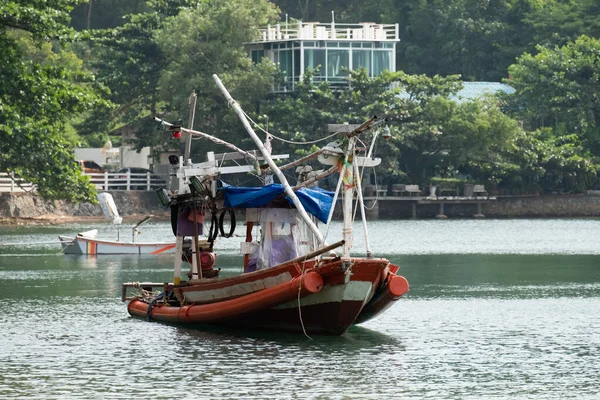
(188, 139)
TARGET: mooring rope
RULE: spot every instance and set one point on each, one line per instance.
(299, 292)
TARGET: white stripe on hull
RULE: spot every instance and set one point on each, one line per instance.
(351, 291)
(81, 247)
(241, 289)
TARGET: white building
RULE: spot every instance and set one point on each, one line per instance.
(334, 48)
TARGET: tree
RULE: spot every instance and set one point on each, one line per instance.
(129, 63)
(558, 22)
(348, 11)
(104, 14)
(433, 135)
(38, 96)
(209, 39)
(560, 88)
(476, 39)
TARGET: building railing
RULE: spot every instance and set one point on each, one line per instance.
(8, 183)
(329, 31)
(102, 181)
(126, 181)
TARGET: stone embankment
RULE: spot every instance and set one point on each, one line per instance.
(550, 206)
(25, 208)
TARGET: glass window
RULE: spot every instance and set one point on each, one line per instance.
(333, 44)
(337, 64)
(382, 60)
(285, 63)
(257, 55)
(310, 44)
(314, 58)
(296, 63)
(361, 59)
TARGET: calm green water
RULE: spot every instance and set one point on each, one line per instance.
(497, 309)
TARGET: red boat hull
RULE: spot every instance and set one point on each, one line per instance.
(323, 298)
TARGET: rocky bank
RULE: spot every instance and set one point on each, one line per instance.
(25, 208)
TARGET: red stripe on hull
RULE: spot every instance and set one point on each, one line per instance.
(230, 309)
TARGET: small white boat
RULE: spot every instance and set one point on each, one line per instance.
(86, 243)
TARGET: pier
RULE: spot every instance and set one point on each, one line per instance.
(384, 207)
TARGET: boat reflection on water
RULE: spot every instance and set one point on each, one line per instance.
(356, 340)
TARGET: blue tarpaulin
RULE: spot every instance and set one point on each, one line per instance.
(316, 201)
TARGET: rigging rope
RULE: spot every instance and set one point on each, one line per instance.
(285, 140)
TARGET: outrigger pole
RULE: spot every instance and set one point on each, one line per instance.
(288, 189)
(212, 139)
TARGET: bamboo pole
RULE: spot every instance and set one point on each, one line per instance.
(213, 139)
(288, 189)
(316, 178)
(188, 139)
(361, 204)
(301, 160)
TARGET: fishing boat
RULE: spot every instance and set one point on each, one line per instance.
(87, 243)
(292, 278)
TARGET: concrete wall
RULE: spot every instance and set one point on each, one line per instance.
(131, 158)
(91, 154)
(124, 156)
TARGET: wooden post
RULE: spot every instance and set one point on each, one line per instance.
(441, 213)
(414, 210)
(197, 264)
(479, 213)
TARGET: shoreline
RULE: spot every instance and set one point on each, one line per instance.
(26, 209)
(70, 219)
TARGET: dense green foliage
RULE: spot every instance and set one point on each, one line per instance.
(432, 135)
(146, 57)
(41, 90)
